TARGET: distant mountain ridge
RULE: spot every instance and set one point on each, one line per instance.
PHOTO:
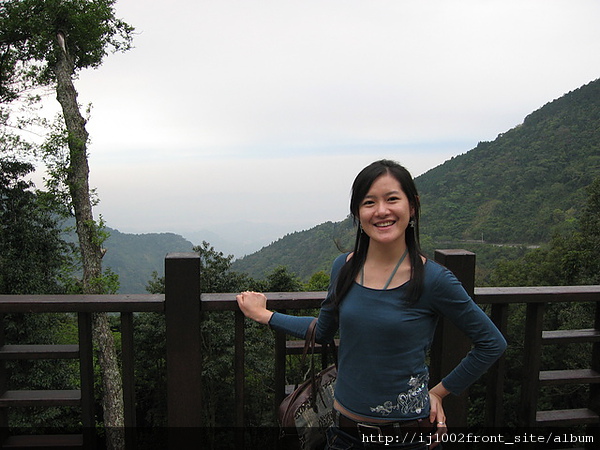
(135, 256)
(517, 189)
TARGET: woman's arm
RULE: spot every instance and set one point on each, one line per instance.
(436, 413)
(254, 306)
(488, 343)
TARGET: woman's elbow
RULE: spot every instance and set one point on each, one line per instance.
(498, 346)
(502, 344)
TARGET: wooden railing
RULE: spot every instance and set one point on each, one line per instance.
(84, 306)
(183, 305)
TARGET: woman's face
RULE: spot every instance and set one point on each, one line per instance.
(385, 211)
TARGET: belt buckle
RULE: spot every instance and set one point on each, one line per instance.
(370, 429)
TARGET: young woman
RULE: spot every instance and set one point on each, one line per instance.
(385, 298)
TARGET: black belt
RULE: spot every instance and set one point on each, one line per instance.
(405, 427)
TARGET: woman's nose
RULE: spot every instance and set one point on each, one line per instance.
(382, 209)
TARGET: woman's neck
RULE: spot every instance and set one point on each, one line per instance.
(385, 253)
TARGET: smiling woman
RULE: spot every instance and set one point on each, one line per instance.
(385, 299)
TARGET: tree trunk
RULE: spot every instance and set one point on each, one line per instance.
(91, 252)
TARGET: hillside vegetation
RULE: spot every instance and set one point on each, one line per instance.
(135, 256)
(520, 188)
(303, 252)
(523, 184)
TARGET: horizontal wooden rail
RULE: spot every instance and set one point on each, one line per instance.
(82, 303)
(40, 398)
(537, 294)
(570, 336)
(275, 300)
(12, 352)
(483, 296)
(572, 376)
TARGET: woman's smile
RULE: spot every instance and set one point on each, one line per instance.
(384, 224)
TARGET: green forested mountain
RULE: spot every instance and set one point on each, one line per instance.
(135, 256)
(519, 188)
(516, 188)
(303, 252)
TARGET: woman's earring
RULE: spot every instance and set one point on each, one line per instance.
(411, 223)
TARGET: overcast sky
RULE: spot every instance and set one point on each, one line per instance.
(264, 111)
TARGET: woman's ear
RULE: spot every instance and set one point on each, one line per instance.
(413, 206)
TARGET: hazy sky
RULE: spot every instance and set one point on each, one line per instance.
(264, 111)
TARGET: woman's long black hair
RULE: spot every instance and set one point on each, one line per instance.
(360, 188)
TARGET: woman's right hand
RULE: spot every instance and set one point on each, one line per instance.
(254, 306)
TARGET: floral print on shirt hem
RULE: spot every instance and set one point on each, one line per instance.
(414, 401)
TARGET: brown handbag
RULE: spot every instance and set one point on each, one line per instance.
(308, 411)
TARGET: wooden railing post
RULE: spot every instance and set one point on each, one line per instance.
(86, 370)
(494, 405)
(3, 386)
(239, 368)
(532, 356)
(280, 354)
(451, 345)
(595, 388)
(184, 356)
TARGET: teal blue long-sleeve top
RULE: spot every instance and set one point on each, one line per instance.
(384, 340)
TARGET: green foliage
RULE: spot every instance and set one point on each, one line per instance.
(570, 259)
(318, 282)
(30, 27)
(41, 374)
(521, 186)
(33, 260)
(217, 275)
(32, 251)
(282, 280)
(585, 259)
(107, 282)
